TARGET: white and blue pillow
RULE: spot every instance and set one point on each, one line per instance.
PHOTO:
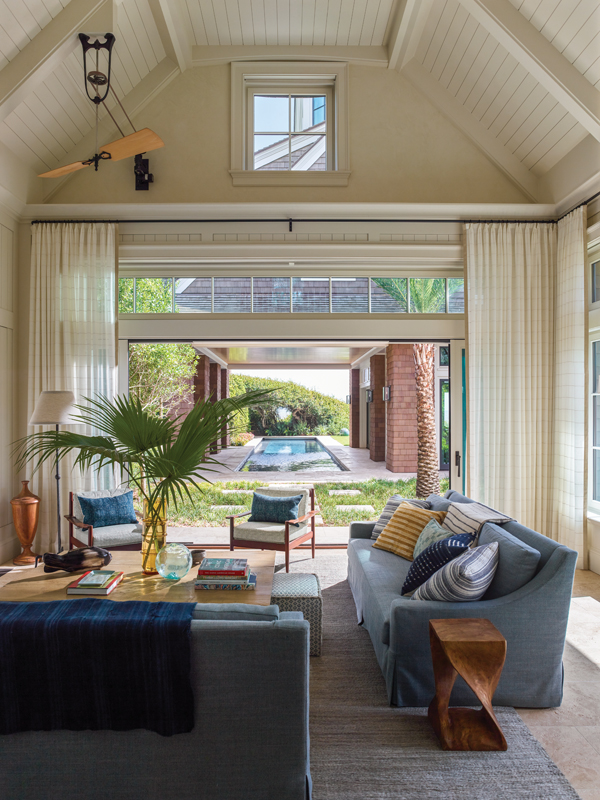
(464, 579)
(432, 532)
(433, 558)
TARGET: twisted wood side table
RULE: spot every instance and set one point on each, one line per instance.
(474, 649)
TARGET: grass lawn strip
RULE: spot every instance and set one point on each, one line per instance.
(375, 492)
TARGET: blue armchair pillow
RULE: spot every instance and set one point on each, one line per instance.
(274, 509)
(103, 511)
(435, 557)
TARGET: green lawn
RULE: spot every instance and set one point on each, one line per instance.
(342, 439)
(374, 492)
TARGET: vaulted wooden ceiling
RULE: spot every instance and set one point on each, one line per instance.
(521, 78)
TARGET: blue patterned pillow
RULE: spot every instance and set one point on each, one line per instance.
(274, 509)
(464, 579)
(103, 511)
(433, 558)
(432, 532)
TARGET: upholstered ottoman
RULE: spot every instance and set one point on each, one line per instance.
(301, 591)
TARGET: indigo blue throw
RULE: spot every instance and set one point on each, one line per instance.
(434, 558)
(103, 511)
(274, 509)
(94, 664)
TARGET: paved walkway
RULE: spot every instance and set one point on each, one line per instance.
(220, 536)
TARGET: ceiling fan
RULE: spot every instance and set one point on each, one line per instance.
(127, 146)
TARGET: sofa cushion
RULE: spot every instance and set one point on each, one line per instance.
(391, 505)
(267, 532)
(517, 562)
(471, 517)
(438, 503)
(235, 611)
(111, 535)
(401, 533)
(274, 509)
(435, 557)
(464, 579)
(432, 532)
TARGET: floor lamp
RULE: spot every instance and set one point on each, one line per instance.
(54, 408)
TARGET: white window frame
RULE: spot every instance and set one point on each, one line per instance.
(593, 256)
(250, 78)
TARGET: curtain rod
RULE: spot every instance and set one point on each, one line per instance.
(290, 220)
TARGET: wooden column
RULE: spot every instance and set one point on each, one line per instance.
(377, 409)
(354, 408)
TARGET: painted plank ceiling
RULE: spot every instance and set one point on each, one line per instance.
(20, 20)
(288, 22)
(572, 26)
(491, 84)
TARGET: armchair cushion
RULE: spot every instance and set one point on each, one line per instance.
(236, 612)
(267, 531)
(95, 493)
(112, 535)
(274, 509)
(104, 511)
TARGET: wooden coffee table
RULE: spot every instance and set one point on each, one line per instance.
(29, 584)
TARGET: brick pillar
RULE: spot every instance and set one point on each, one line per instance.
(354, 408)
(402, 443)
(215, 394)
(377, 410)
(202, 380)
(224, 394)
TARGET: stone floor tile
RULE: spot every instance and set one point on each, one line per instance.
(237, 491)
(591, 733)
(356, 508)
(575, 756)
(233, 509)
(580, 707)
(334, 492)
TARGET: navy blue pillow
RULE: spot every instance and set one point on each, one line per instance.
(435, 557)
(103, 511)
(274, 509)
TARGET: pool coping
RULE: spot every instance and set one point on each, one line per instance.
(257, 441)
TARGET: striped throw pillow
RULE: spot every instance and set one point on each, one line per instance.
(404, 528)
(391, 505)
(471, 517)
(464, 579)
(434, 558)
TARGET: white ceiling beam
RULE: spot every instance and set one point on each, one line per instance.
(173, 32)
(203, 55)
(406, 30)
(139, 97)
(206, 351)
(555, 73)
(471, 127)
(48, 49)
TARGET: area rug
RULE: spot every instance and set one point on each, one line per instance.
(362, 749)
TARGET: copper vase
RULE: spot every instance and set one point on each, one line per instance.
(26, 514)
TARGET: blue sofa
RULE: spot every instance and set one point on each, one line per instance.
(532, 618)
(250, 673)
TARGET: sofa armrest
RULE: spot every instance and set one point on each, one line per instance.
(361, 530)
(287, 615)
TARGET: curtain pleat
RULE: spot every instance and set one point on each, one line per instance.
(71, 340)
(569, 490)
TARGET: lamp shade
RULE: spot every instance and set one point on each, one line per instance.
(53, 408)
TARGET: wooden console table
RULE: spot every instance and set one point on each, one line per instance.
(33, 584)
(474, 649)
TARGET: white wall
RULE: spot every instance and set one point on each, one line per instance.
(8, 482)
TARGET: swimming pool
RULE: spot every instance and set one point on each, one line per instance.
(289, 454)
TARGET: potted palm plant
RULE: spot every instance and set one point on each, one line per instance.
(162, 458)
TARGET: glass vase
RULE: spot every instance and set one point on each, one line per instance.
(154, 536)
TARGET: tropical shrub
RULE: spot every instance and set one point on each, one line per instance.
(240, 439)
(310, 411)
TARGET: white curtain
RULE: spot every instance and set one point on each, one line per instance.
(569, 490)
(526, 373)
(510, 295)
(72, 339)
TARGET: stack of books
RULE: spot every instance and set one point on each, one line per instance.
(225, 573)
(96, 581)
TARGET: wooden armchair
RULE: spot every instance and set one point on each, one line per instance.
(282, 537)
(112, 537)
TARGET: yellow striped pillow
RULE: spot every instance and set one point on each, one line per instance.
(402, 531)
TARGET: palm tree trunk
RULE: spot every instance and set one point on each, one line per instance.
(428, 476)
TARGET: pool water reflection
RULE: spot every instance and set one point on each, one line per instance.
(290, 454)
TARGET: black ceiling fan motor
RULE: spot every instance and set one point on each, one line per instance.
(143, 178)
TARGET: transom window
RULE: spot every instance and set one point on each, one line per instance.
(290, 131)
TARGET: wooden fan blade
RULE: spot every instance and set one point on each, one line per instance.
(140, 142)
(56, 173)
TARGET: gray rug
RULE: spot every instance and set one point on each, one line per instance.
(362, 749)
